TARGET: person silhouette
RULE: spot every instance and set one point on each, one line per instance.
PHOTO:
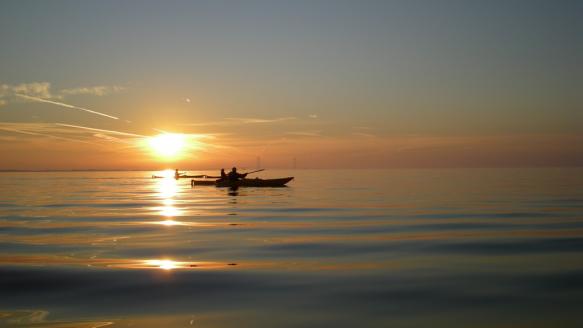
(235, 176)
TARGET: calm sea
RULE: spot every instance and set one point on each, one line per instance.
(377, 248)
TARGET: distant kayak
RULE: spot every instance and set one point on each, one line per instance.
(179, 177)
(281, 182)
(206, 182)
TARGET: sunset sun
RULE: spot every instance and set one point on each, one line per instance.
(167, 145)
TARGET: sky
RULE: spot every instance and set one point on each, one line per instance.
(306, 84)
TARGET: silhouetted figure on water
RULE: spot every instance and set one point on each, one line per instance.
(235, 176)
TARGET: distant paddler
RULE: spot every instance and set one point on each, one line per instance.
(235, 176)
(232, 177)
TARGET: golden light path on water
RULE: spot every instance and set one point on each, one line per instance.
(167, 190)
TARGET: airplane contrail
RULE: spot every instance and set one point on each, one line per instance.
(64, 105)
(100, 130)
(46, 135)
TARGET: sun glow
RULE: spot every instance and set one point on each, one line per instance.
(163, 264)
(167, 145)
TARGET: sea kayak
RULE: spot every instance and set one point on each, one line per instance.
(281, 182)
(179, 177)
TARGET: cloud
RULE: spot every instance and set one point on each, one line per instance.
(305, 133)
(42, 90)
(362, 134)
(34, 89)
(100, 90)
(313, 116)
(240, 121)
(74, 133)
(245, 120)
(40, 131)
(99, 130)
(37, 99)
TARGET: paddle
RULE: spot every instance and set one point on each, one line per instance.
(255, 171)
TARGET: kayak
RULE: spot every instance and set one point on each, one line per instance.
(255, 182)
(179, 177)
(281, 182)
(206, 182)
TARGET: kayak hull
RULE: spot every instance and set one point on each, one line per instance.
(208, 182)
(257, 183)
(179, 177)
(281, 182)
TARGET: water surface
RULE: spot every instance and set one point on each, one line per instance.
(378, 248)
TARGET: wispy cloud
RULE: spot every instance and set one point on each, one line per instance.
(74, 133)
(305, 133)
(99, 130)
(9, 129)
(101, 90)
(34, 89)
(362, 134)
(241, 120)
(37, 99)
(41, 92)
(245, 120)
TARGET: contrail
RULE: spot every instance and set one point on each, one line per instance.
(240, 120)
(100, 130)
(46, 135)
(64, 105)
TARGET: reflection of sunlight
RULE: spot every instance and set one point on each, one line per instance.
(170, 223)
(168, 174)
(167, 188)
(170, 211)
(171, 265)
(164, 264)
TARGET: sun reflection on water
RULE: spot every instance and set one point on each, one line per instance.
(167, 190)
(170, 223)
(163, 264)
(170, 211)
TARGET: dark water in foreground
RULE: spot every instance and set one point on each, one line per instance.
(395, 248)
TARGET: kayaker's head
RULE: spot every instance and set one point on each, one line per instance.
(234, 169)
